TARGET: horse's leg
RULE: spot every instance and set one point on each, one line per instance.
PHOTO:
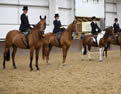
(105, 52)
(50, 48)
(31, 58)
(37, 56)
(6, 56)
(65, 49)
(47, 53)
(89, 55)
(101, 54)
(120, 49)
(82, 53)
(106, 49)
(13, 56)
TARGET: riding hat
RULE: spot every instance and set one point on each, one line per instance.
(93, 18)
(56, 15)
(25, 7)
(116, 19)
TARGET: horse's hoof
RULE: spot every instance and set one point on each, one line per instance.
(48, 64)
(38, 69)
(101, 61)
(15, 67)
(31, 69)
(64, 64)
(3, 67)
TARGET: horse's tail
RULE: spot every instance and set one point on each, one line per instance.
(43, 52)
(8, 55)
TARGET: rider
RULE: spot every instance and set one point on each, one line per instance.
(116, 26)
(95, 29)
(57, 24)
(25, 26)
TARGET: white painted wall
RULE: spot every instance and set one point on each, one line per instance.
(110, 12)
(119, 13)
(89, 9)
(66, 8)
(10, 13)
(4, 29)
(34, 2)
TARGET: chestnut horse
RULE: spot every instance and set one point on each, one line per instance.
(65, 41)
(101, 42)
(16, 39)
(115, 40)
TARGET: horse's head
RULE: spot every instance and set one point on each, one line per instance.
(109, 31)
(42, 25)
(74, 26)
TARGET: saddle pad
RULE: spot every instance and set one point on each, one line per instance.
(58, 35)
(25, 33)
(99, 36)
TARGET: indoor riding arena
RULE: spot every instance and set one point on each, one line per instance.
(79, 74)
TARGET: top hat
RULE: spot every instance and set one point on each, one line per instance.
(93, 18)
(116, 19)
(56, 15)
(25, 7)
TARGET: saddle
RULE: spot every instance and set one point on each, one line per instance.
(116, 37)
(58, 36)
(26, 34)
(94, 37)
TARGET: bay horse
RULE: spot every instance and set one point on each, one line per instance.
(65, 41)
(115, 40)
(101, 42)
(16, 39)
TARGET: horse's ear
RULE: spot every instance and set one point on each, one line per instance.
(45, 17)
(40, 17)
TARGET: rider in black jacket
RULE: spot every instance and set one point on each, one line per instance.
(24, 20)
(95, 29)
(25, 26)
(116, 26)
(57, 24)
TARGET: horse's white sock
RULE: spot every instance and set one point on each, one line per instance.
(101, 54)
(89, 56)
(82, 50)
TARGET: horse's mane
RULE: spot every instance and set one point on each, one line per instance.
(108, 31)
(108, 28)
(69, 27)
(37, 25)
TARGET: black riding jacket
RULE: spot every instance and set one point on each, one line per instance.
(57, 25)
(24, 23)
(116, 27)
(94, 26)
